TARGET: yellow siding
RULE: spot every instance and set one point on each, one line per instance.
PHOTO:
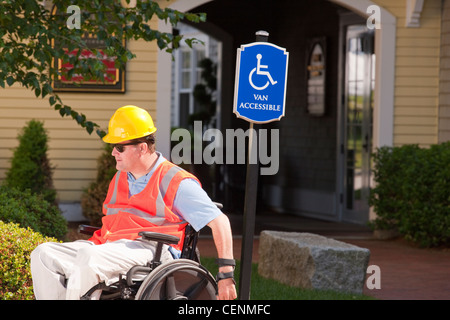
(416, 74)
(444, 96)
(72, 151)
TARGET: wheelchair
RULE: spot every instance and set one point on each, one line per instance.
(180, 279)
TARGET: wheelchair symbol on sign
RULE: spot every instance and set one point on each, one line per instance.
(258, 68)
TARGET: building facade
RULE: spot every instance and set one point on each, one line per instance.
(383, 80)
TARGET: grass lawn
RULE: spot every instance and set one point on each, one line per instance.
(267, 289)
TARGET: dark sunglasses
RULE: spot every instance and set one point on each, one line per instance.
(120, 147)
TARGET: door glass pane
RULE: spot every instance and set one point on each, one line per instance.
(186, 69)
(359, 103)
(199, 56)
(186, 59)
(185, 79)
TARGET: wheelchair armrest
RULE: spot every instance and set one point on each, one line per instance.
(159, 237)
(85, 229)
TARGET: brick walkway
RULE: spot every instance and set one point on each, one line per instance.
(407, 272)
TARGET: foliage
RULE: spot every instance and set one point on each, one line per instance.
(31, 210)
(412, 192)
(30, 166)
(204, 93)
(28, 32)
(92, 199)
(16, 245)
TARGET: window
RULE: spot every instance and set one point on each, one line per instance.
(186, 74)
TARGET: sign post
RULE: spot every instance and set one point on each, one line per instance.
(259, 97)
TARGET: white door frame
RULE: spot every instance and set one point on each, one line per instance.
(383, 112)
(383, 117)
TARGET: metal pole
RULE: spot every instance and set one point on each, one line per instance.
(262, 36)
(251, 191)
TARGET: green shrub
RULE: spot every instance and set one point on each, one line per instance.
(30, 166)
(93, 197)
(16, 245)
(412, 192)
(31, 210)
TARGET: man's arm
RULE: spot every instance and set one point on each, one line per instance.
(194, 205)
(221, 231)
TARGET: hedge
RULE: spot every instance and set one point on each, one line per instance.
(30, 165)
(16, 245)
(412, 192)
(93, 197)
(31, 210)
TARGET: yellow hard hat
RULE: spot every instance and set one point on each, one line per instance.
(128, 123)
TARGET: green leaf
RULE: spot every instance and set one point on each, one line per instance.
(101, 133)
(44, 90)
(89, 127)
(80, 118)
(10, 80)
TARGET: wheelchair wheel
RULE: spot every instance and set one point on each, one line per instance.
(180, 279)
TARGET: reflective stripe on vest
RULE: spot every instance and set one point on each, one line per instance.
(149, 210)
(158, 218)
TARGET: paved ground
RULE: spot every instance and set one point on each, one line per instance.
(407, 272)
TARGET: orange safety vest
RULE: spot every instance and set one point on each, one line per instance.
(149, 210)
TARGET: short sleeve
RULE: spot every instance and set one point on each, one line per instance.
(194, 205)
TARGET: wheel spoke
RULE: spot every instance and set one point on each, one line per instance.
(194, 291)
(171, 290)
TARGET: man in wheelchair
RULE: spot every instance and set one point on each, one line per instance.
(147, 194)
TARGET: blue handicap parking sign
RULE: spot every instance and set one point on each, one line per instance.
(261, 79)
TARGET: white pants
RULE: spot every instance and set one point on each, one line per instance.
(68, 270)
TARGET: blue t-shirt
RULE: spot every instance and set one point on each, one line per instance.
(191, 203)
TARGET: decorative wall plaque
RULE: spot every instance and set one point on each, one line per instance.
(316, 69)
(114, 78)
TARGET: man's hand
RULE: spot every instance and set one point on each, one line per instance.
(227, 290)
